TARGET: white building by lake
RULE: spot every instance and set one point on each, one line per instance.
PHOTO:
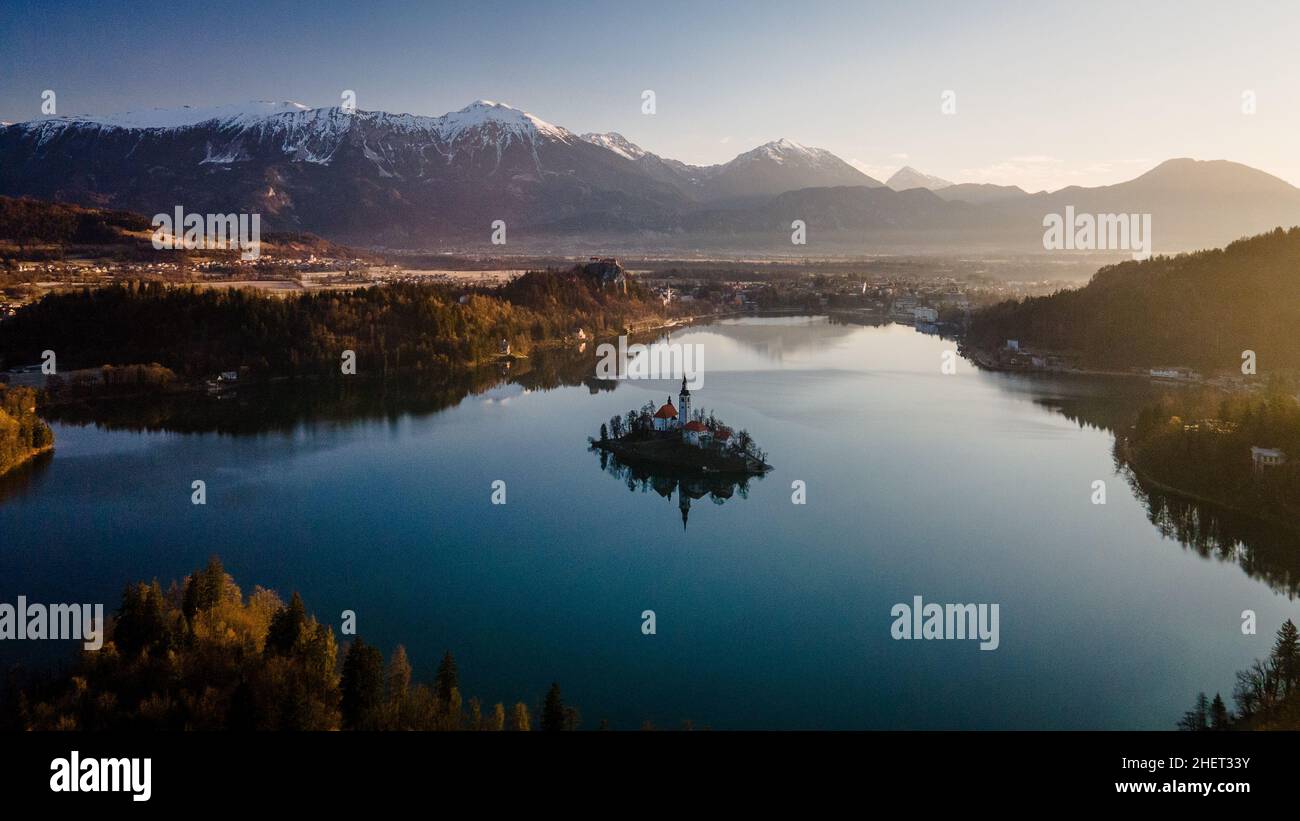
(1261, 458)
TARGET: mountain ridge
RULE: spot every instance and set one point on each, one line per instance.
(402, 180)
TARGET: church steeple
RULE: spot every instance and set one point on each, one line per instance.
(684, 404)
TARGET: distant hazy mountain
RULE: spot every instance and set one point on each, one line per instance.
(401, 180)
(1193, 204)
(976, 192)
(908, 177)
(781, 166)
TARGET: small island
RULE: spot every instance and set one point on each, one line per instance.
(672, 435)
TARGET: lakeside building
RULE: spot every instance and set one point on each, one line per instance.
(1180, 374)
(1262, 458)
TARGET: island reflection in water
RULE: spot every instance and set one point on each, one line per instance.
(1263, 550)
(373, 494)
(685, 485)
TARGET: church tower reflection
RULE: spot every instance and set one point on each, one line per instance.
(689, 486)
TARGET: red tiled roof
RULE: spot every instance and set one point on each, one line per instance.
(666, 412)
(695, 426)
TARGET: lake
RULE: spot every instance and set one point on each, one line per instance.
(969, 487)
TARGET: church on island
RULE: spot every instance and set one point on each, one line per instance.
(681, 437)
(669, 418)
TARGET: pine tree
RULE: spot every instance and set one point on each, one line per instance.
(1219, 717)
(553, 710)
(1286, 657)
(286, 627)
(362, 686)
(448, 678)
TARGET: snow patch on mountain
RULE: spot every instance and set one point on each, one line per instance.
(234, 115)
(782, 151)
(489, 120)
(618, 144)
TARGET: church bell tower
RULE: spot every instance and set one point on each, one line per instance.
(684, 404)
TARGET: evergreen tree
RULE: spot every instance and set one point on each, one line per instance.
(553, 711)
(448, 678)
(286, 627)
(1286, 657)
(362, 686)
(1219, 717)
(142, 621)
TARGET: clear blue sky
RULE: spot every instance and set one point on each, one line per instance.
(1048, 94)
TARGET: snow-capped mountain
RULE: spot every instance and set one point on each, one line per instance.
(365, 175)
(236, 115)
(779, 166)
(404, 180)
(387, 178)
(772, 168)
(908, 177)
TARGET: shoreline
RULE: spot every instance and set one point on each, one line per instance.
(682, 457)
(27, 459)
(1127, 459)
(984, 360)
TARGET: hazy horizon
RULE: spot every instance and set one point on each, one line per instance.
(1043, 95)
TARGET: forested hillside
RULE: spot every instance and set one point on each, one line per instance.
(1200, 310)
(196, 332)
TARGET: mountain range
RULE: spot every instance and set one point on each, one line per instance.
(405, 181)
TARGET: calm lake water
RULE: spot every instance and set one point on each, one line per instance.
(972, 487)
